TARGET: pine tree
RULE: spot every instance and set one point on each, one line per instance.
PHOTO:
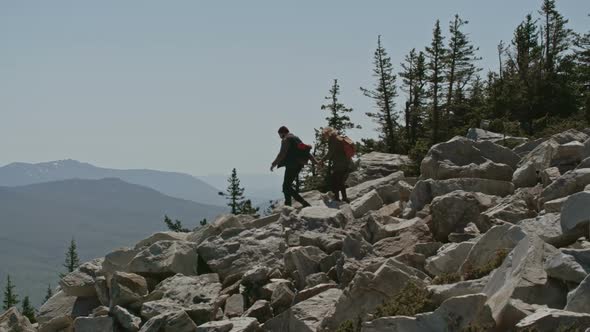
(48, 294)
(582, 58)
(414, 83)
(10, 297)
(460, 62)
(436, 54)
(338, 118)
(235, 196)
(203, 222)
(28, 310)
(234, 193)
(72, 262)
(556, 37)
(384, 95)
(175, 226)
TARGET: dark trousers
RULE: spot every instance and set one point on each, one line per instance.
(337, 182)
(291, 174)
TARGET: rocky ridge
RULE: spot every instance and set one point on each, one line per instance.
(487, 239)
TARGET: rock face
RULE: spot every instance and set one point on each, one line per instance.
(12, 320)
(376, 165)
(453, 211)
(307, 315)
(459, 250)
(457, 314)
(464, 158)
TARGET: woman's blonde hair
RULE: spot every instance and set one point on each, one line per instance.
(329, 131)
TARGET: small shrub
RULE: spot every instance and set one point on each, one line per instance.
(446, 278)
(411, 300)
(484, 270)
(347, 326)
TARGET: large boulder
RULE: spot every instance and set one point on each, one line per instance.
(463, 158)
(522, 276)
(235, 254)
(441, 293)
(13, 321)
(425, 190)
(60, 311)
(370, 201)
(305, 316)
(81, 282)
(567, 184)
(524, 148)
(94, 324)
(449, 258)
(126, 319)
(161, 236)
(578, 300)
(576, 212)
(375, 165)
(173, 321)
(565, 267)
(166, 258)
(463, 313)
(369, 289)
(549, 320)
(322, 216)
(453, 211)
(501, 238)
(303, 261)
(378, 184)
(127, 289)
(478, 134)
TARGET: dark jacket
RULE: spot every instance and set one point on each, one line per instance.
(336, 154)
(288, 154)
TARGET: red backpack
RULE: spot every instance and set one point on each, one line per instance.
(348, 145)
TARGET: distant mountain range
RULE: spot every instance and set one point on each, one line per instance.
(169, 183)
(37, 222)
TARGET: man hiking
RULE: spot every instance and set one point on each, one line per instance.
(294, 154)
(340, 152)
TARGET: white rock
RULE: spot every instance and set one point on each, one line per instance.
(449, 258)
(371, 201)
(549, 320)
(166, 258)
(578, 300)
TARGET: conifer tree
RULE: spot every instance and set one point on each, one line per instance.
(48, 294)
(10, 296)
(384, 94)
(237, 203)
(460, 62)
(234, 193)
(28, 310)
(436, 54)
(414, 84)
(338, 118)
(556, 37)
(175, 226)
(72, 261)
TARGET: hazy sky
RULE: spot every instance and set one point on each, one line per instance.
(202, 87)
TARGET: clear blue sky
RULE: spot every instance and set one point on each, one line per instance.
(201, 87)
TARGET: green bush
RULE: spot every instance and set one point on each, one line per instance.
(446, 278)
(411, 300)
(482, 271)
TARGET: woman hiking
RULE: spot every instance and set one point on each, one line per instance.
(340, 152)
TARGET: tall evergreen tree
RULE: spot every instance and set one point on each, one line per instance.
(10, 297)
(72, 261)
(338, 118)
(414, 84)
(234, 193)
(436, 54)
(237, 202)
(28, 310)
(556, 37)
(384, 94)
(583, 69)
(459, 62)
(48, 294)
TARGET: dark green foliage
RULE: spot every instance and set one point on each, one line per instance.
(175, 226)
(72, 262)
(28, 310)
(447, 278)
(482, 271)
(10, 297)
(349, 326)
(49, 293)
(338, 118)
(414, 84)
(411, 300)
(235, 195)
(203, 222)
(436, 55)
(384, 94)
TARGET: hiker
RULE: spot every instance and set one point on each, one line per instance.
(340, 152)
(294, 154)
